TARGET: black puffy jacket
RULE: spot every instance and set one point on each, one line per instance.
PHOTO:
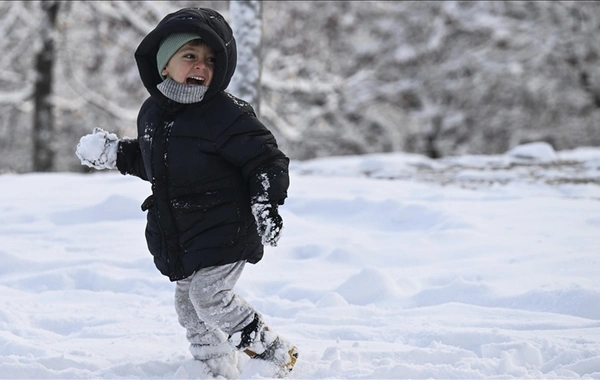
(206, 161)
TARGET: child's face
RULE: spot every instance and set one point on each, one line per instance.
(193, 63)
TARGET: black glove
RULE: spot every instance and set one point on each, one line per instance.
(268, 222)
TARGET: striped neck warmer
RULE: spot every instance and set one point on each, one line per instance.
(182, 93)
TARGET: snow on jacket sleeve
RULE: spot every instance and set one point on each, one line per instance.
(249, 145)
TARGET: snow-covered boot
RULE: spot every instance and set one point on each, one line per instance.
(258, 342)
(220, 360)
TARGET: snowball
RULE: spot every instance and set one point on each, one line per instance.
(98, 149)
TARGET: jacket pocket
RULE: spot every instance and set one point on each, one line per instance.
(149, 202)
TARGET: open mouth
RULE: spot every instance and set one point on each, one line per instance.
(195, 80)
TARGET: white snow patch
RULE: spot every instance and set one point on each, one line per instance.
(392, 266)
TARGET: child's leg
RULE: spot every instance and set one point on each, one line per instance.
(207, 343)
(211, 294)
(215, 303)
(198, 333)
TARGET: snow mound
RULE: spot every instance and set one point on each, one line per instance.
(539, 151)
(332, 299)
(113, 208)
(371, 285)
(459, 290)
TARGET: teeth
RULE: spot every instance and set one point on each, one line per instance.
(198, 78)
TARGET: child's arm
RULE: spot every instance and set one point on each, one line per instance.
(268, 189)
(102, 150)
(129, 159)
(249, 145)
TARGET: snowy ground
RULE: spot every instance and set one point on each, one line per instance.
(391, 266)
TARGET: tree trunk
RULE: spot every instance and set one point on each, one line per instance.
(43, 115)
(246, 22)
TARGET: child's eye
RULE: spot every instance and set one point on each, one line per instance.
(190, 56)
(211, 60)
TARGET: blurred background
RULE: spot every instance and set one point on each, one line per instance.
(337, 77)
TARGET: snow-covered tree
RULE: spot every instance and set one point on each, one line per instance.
(43, 113)
(436, 77)
(337, 77)
(19, 45)
(246, 22)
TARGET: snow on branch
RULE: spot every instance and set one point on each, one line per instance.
(284, 128)
(16, 97)
(121, 10)
(128, 14)
(27, 40)
(299, 85)
(10, 18)
(156, 9)
(96, 99)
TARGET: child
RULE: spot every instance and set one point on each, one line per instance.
(217, 179)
